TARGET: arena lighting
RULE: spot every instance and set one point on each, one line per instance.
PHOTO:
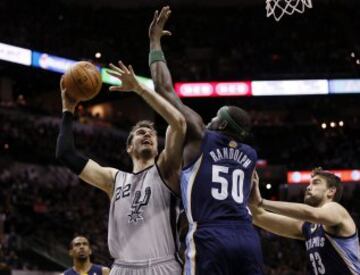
(109, 79)
(268, 186)
(15, 54)
(332, 124)
(341, 123)
(290, 87)
(344, 86)
(213, 89)
(51, 62)
(352, 54)
(57, 64)
(323, 125)
(98, 55)
(303, 177)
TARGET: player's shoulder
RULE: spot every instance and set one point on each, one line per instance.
(105, 270)
(334, 206)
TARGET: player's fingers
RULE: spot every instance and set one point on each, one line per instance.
(123, 67)
(116, 89)
(62, 82)
(156, 14)
(131, 70)
(114, 74)
(162, 15)
(166, 33)
(116, 69)
(168, 13)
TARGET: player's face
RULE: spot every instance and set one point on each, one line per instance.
(80, 248)
(316, 192)
(144, 143)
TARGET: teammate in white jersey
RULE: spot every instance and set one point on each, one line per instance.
(140, 234)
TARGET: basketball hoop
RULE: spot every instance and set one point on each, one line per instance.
(278, 8)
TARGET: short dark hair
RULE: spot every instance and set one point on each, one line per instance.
(143, 123)
(71, 244)
(331, 181)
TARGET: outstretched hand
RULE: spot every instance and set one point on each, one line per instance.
(156, 29)
(255, 195)
(127, 77)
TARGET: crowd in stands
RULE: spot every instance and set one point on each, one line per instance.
(302, 146)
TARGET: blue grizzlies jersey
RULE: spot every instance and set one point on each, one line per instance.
(330, 255)
(94, 270)
(216, 186)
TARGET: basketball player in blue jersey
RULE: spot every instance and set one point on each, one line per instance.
(330, 234)
(140, 233)
(80, 252)
(216, 179)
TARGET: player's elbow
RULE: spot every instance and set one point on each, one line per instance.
(181, 123)
(162, 87)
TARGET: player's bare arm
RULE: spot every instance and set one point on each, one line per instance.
(170, 159)
(87, 169)
(161, 75)
(277, 224)
(330, 214)
(274, 223)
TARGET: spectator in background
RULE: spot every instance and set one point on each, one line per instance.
(80, 252)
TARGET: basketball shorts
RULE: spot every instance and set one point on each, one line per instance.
(223, 248)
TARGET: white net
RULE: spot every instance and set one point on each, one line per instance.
(278, 8)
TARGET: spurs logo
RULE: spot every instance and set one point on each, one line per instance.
(137, 204)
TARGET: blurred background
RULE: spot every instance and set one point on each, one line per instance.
(298, 78)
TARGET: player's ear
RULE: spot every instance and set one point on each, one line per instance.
(129, 149)
(223, 124)
(332, 192)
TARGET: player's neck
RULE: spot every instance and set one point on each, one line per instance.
(82, 267)
(141, 164)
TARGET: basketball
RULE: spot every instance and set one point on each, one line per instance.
(82, 81)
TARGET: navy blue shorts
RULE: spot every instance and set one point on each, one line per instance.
(223, 248)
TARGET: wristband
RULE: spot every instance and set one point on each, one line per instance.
(156, 55)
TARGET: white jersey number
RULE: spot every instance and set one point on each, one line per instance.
(317, 264)
(221, 193)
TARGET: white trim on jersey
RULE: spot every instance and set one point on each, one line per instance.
(343, 255)
(190, 252)
(195, 170)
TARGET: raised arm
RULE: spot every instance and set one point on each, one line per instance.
(274, 223)
(170, 159)
(161, 75)
(87, 169)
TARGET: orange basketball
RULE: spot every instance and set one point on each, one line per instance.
(82, 81)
